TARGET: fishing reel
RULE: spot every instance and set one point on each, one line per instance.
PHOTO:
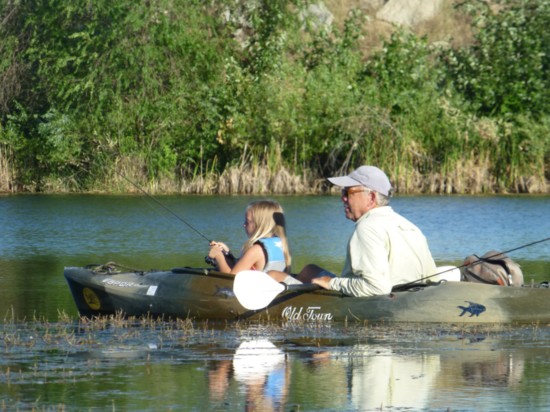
(229, 258)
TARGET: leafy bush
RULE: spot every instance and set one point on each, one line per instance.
(507, 70)
(176, 91)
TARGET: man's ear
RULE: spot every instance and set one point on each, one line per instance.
(372, 197)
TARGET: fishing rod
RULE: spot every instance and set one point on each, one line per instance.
(476, 262)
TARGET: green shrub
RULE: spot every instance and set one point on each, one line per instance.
(507, 70)
(181, 91)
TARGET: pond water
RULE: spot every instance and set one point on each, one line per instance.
(142, 366)
(51, 360)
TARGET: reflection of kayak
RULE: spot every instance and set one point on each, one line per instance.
(208, 294)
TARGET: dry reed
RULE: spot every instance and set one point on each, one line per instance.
(6, 182)
(468, 175)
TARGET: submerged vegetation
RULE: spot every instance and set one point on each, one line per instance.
(231, 96)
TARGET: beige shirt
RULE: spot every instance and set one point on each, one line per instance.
(384, 250)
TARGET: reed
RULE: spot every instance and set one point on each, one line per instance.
(260, 179)
(6, 178)
(248, 176)
(465, 176)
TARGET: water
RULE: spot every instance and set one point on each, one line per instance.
(50, 361)
(142, 367)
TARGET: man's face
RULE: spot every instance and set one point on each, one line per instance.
(357, 201)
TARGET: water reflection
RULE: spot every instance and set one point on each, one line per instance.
(364, 376)
(220, 373)
(503, 369)
(174, 367)
(383, 378)
(262, 372)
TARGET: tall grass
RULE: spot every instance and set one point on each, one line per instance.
(6, 179)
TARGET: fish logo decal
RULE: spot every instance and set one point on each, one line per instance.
(224, 292)
(472, 309)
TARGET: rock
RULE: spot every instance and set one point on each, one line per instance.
(318, 16)
(371, 4)
(409, 13)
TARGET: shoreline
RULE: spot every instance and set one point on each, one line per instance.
(234, 182)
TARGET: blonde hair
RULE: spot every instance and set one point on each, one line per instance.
(269, 219)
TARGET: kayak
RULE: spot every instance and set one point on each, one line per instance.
(203, 293)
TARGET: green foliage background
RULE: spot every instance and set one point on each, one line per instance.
(181, 91)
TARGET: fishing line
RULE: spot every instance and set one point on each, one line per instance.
(207, 258)
(164, 207)
(474, 262)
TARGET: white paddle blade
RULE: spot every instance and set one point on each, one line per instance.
(255, 290)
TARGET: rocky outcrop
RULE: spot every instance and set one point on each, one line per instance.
(409, 12)
(318, 15)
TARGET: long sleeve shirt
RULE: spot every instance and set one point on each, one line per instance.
(384, 250)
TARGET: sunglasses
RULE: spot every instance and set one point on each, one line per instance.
(347, 191)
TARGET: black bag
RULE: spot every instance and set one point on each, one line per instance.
(493, 268)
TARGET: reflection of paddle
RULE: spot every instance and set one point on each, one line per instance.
(256, 290)
(255, 360)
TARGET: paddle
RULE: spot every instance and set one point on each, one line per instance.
(256, 290)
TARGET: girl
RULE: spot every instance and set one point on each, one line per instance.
(267, 246)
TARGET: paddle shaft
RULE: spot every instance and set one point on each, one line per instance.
(305, 287)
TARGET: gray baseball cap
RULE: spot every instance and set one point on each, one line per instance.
(368, 176)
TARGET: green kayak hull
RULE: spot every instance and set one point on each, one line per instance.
(199, 294)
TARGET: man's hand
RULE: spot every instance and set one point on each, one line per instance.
(323, 281)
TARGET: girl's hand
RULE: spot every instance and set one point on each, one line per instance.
(218, 251)
(219, 245)
(215, 252)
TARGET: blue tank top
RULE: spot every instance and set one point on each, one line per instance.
(273, 247)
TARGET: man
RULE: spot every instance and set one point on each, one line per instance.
(384, 250)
